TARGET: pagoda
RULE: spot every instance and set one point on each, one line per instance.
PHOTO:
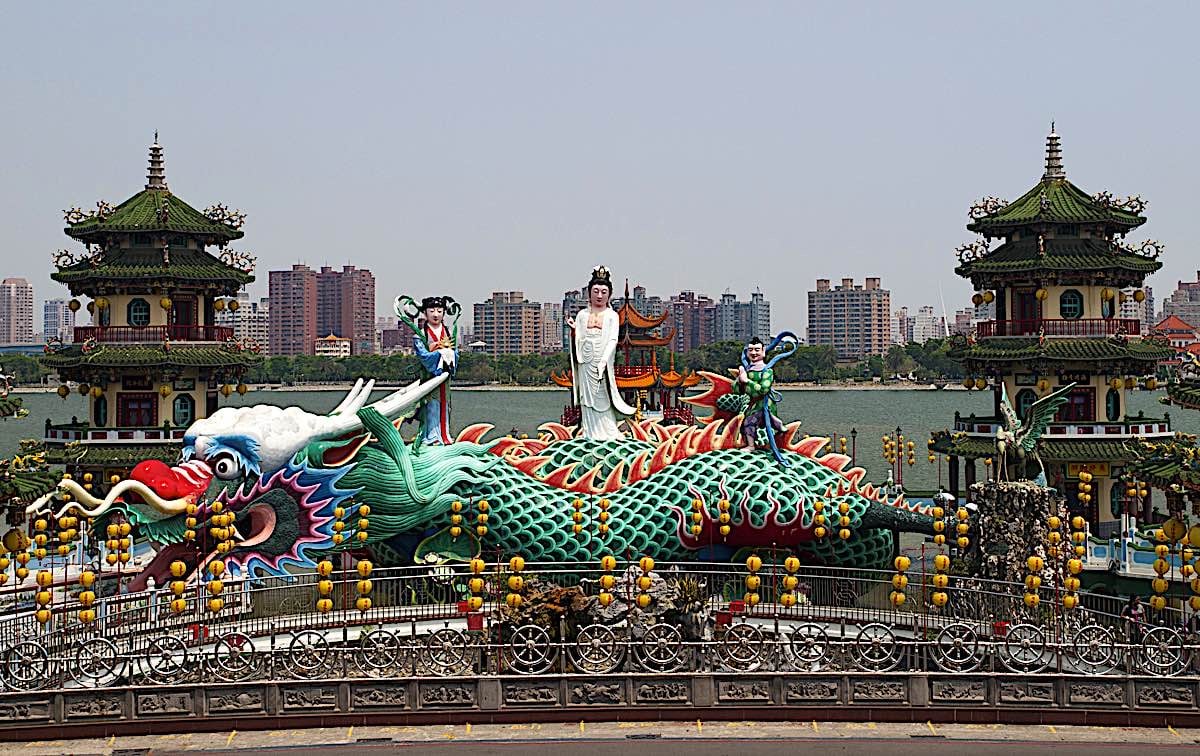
(1057, 279)
(152, 361)
(653, 391)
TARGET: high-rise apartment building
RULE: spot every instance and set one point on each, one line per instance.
(572, 303)
(694, 317)
(293, 314)
(1143, 312)
(741, 321)
(902, 327)
(508, 323)
(964, 321)
(928, 325)
(250, 320)
(58, 320)
(16, 311)
(346, 306)
(854, 320)
(1184, 302)
(552, 327)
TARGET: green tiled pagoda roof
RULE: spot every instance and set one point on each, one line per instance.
(144, 267)
(1064, 203)
(1049, 448)
(1064, 350)
(147, 355)
(1061, 256)
(1185, 394)
(112, 455)
(142, 213)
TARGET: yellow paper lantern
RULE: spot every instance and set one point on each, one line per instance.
(899, 581)
(941, 562)
(897, 598)
(643, 600)
(1158, 603)
(1043, 385)
(73, 305)
(980, 383)
(941, 580)
(988, 297)
(902, 563)
(1070, 601)
(1041, 295)
(940, 598)
(1031, 600)
(324, 605)
(1034, 563)
(165, 303)
(516, 564)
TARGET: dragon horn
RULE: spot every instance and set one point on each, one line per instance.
(397, 404)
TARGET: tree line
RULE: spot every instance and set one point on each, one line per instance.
(928, 361)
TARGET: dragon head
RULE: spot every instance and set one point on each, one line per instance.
(275, 469)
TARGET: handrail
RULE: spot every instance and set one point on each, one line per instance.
(1028, 327)
(152, 334)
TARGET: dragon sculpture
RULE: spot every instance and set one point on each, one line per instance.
(295, 482)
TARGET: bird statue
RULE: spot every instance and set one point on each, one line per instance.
(1019, 436)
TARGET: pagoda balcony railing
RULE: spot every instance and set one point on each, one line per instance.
(1131, 427)
(64, 433)
(632, 371)
(152, 334)
(1060, 327)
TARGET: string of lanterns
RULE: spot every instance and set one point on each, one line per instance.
(602, 517)
(475, 585)
(516, 583)
(363, 586)
(608, 563)
(644, 581)
(723, 517)
(787, 598)
(697, 516)
(941, 580)
(1033, 581)
(753, 581)
(899, 580)
(481, 519)
(939, 526)
(819, 529)
(963, 527)
(577, 516)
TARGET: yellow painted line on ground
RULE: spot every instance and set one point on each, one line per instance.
(468, 728)
(112, 739)
(699, 726)
(349, 732)
(232, 734)
(581, 725)
(448, 735)
(929, 724)
(1171, 730)
(1051, 729)
(814, 725)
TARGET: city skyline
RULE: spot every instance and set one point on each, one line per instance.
(659, 143)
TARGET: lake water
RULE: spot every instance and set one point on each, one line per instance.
(823, 412)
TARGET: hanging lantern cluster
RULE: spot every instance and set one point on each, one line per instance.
(1084, 487)
(790, 582)
(753, 581)
(87, 597)
(119, 543)
(697, 516)
(216, 568)
(481, 519)
(189, 522)
(475, 585)
(644, 582)
(602, 517)
(1160, 584)
(364, 513)
(819, 529)
(67, 531)
(178, 586)
(982, 298)
(577, 516)
(325, 586)
(40, 537)
(1033, 581)
(456, 520)
(844, 520)
(608, 563)
(890, 450)
(363, 586)
(1053, 536)
(516, 583)
(17, 543)
(899, 580)
(5, 561)
(1191, 568)
(1079, 535)
(843, 444)
(1136, 491)
(1071, 583)
(963, 527)
(220, 527)
(932, 455)
(43, 596)
(939, 525)
(724, 518)
(941, 580)
(912, 454)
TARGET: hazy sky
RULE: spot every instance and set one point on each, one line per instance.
(470, 147)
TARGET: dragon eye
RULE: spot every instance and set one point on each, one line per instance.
(225, 467)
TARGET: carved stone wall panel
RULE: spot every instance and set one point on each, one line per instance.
(1166, 694)
(107, 704)
(595, 692)
(662, 691)
(955, 690)
(175, 702)
(308, 697)
(744, 691)
(531, 693)
(812, 690)
(879, 690)
(236, 701)
(24, 710)
(449, 693)
(1026, 692)
(1097, 692)
(379, 695)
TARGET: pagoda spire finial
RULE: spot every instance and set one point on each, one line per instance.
(1054, 166)
(156, 175)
